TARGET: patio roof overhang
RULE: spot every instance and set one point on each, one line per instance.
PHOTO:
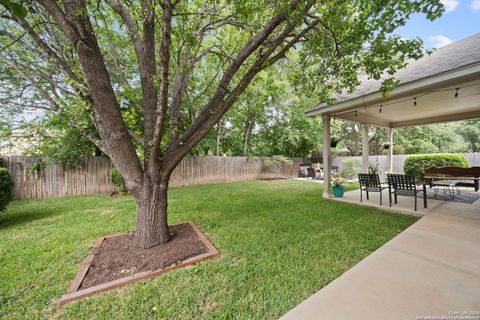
(435, 96)
(441, 87)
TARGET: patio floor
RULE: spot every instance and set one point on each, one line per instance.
(431, 269)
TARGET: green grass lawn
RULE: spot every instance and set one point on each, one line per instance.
(279, 242)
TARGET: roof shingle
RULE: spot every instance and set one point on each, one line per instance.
(453, 56)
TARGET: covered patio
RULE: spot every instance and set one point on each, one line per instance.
(432, 269)
(441, 87)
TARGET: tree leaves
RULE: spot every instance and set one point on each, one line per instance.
(354, 39)
(17, 8)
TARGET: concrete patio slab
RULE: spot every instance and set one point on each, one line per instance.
(453, 226)
(309, 180)
(404, 205)
(459, 254)
(430, 269)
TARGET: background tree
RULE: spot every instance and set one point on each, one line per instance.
(435, 138)
(349, 135)
(470, 132)
(5, 133)
(268, 119)
(65, 53)
(275, 163)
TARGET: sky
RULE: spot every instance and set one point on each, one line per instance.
(460, 20)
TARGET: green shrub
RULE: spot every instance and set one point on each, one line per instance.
(117, 180)
(6, 186)
(416, 165)
(276, 162)
(351, 167)
(373, 169)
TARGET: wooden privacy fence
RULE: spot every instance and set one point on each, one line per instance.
(398, 161)
(212, 169)
(38, 178)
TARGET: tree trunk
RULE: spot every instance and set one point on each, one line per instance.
(246, 133)
(218, 138)
(152, 225)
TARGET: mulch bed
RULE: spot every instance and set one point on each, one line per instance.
(118, 257)
(116, 260)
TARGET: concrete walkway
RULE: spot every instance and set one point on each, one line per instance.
(432, 269)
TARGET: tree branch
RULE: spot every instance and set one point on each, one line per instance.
(220, 101)
(12, 37)
(145, 53)
(49, 51)
(163, 100)
(113, 132)
(137, 138)
(222, 89)
(292, 42)
(61, 19)
(91, 137)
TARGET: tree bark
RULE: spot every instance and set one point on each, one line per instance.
(152, 226)
(246, 133)
(218, 138)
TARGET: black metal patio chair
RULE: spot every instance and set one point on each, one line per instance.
(404, 185)
(370, 183)
(311, 173)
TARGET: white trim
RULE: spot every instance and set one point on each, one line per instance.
(437, 119)
(389, 164)
(327, 152)
(362, 118)
(365, 148)
(453, 77)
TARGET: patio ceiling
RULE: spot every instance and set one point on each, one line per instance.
(431, 82)
(441, 106)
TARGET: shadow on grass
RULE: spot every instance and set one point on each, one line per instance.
(10, 220)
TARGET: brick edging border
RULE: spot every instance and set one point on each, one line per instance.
(74, 294)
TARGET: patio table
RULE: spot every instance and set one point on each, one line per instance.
(430, 179)
(447, 185)
(448, 182)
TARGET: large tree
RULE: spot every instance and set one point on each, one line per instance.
(63, 56)
(470, 132)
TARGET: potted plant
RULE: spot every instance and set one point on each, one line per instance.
(373, 169)
(333, 142)
(338, 182)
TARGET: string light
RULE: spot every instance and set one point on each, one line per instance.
(456, 95)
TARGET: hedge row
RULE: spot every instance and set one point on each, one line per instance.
(416, 165)
(6, 186)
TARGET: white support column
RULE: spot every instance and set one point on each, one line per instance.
(327, 177)
(389, 166)
(365, 148)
